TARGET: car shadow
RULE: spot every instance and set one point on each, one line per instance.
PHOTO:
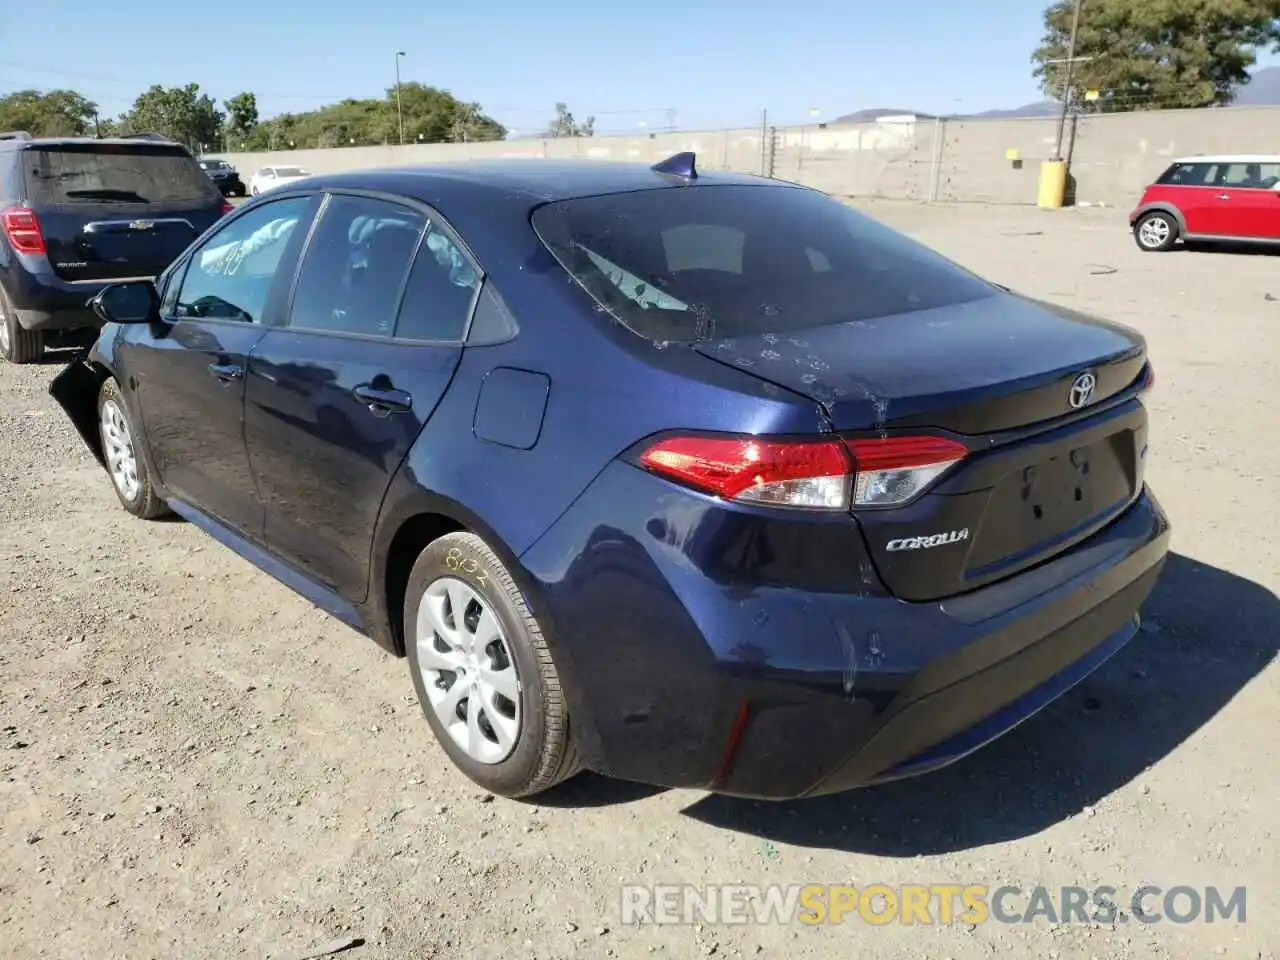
(1249, 249)
(592, 790)
(1206, 634)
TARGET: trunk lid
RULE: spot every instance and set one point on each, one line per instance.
(113, 210)
(977, 367)
(999, 372)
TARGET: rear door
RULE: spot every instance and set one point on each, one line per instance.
(1247, 205)
(113, 210)
(337, 396)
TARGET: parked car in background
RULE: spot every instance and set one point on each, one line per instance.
(695, 480)
(78, 213)
(225, 177)
(269, 178)
(1232, 199)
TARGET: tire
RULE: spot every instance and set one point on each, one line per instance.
(541, 752)
(255, 191)
(1156, 231)
(17, 344)
(139, 497)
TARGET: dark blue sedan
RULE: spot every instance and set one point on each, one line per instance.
(695, 479)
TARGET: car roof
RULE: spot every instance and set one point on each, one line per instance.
(1232, 158)
(533, 181)
(21, 142)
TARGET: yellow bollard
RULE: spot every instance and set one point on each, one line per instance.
(1053, 184)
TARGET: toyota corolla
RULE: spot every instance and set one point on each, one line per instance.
(689, 478)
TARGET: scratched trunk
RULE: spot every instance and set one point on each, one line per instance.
(998, 373)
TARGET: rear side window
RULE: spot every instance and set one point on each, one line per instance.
(442, 286)
(1189, 175)
(114, 173)
(355, 266)
(703, 262)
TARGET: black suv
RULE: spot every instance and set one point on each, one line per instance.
(79, 213)
(225, 177)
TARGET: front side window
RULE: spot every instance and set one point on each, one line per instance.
(1257, 176)
(230, 276)
(701, 262)
(355, 265)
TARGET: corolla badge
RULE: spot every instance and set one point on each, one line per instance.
(927, 543)
(1082, 390)
(142, 225)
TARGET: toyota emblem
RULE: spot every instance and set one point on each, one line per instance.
(1082, 390)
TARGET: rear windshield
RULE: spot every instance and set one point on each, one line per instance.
(114, 173)
(702, 262)
(215, 165)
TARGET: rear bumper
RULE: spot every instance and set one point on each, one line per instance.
(44, 301)
(678, 675)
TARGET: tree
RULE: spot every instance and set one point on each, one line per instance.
(57, 113)
(432, 115)
(242, 116)
(180, 113)
(1155, 54)
(564, 124)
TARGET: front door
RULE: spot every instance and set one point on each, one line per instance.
(337, 396)
(189, 369)
(1245, 204)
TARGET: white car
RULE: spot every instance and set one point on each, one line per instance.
(268, 178)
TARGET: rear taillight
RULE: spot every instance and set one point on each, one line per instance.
(22, 229)
(227, 207)
(784, 473)
(1148, 377)
(892, 470)
(819, 474)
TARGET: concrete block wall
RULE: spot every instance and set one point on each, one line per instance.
(1114, 156)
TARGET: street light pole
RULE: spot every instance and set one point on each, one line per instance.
(399, 108)
(1066, 86)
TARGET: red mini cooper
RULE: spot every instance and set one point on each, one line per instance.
(1233, 199)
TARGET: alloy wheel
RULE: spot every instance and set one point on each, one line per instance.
(1154, 232)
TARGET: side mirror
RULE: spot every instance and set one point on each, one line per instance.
(134, 301)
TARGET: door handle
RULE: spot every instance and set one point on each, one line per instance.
(226, 372)
(382, 401)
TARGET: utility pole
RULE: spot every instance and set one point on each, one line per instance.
(1066, 86)
(399, 108)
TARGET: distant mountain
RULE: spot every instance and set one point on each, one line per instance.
(1263, 90)
(870, 116)
(1041, 108)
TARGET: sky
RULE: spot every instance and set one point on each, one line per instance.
(633, 65)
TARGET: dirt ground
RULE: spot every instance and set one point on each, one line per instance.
(195, 763)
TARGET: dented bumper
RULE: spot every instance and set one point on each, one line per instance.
(757, 654)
